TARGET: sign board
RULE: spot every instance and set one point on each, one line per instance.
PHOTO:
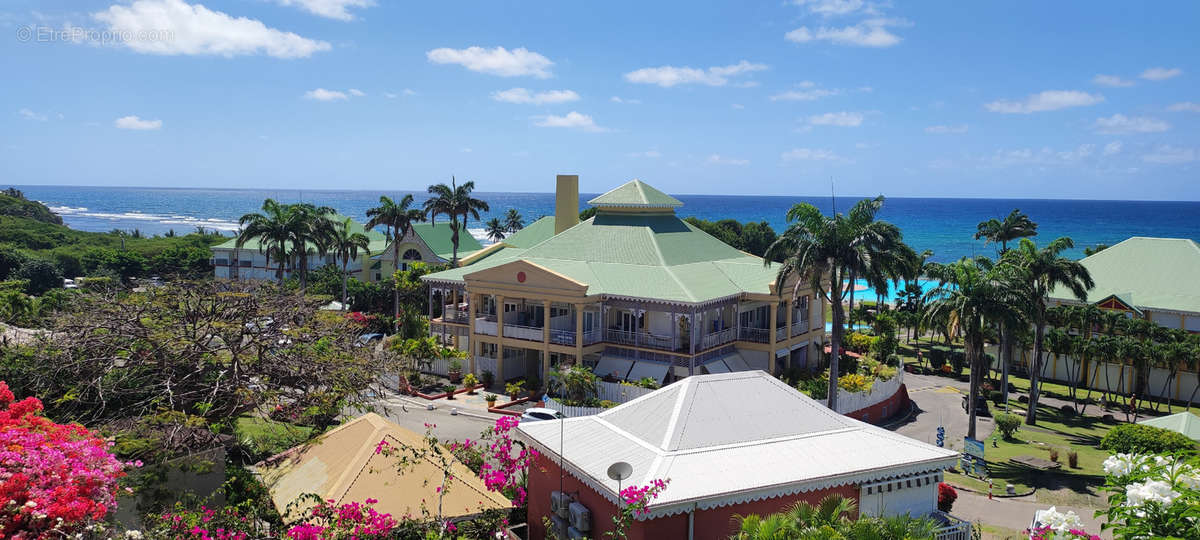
(973, 447)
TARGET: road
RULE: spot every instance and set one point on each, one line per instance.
(411, 413)
(938, 401)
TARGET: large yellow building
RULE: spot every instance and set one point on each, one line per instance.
(633, 292)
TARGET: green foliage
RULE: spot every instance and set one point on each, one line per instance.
(41, 275)
(752, 237)
(1138, 438)
(261, 438)
(885, 343)
(575, 384)
(10, 261)
(859, 342)
(1007, 424)
(514, 389)
(14, 203)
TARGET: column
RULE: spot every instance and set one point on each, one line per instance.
(545, 341)
(453, 302)
(499, 338)
(579, 334)
(472, 343)
(788, 306)
(773, 318)
(674, 330)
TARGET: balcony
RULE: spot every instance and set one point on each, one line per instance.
(455, 314)
(562, 337)
(528, 333)
(716, 339)
(486, 325)
(640, 339)
(799, 327)
(781, 334)
(757, 335)
(594, 335)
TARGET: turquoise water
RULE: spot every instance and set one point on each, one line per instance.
(863, 291)
(945, 226)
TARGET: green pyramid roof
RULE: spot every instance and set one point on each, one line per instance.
(532, 234)
(1184, 422)
(636, 193)
(1149, 273)
(437, 237)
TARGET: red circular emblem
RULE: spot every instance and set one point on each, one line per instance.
(520, 277)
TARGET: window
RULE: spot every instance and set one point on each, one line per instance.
(244, 264)
(411, 255)
(221, 262)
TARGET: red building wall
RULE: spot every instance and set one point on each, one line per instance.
(712, 524)
(885, 409)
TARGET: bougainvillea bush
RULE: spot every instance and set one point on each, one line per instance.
(1152, 496)
(56, 480)
(946, 496)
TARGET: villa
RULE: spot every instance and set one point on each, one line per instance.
(425, 242)
(729, 445)
(633, 292)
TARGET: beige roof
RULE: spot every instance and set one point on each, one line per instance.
(342, 465)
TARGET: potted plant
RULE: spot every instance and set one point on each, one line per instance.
(449, 389)
(488, 378)
(535, 386)
(491, 400)
(470, 381)
(455, 371)
(514, 389)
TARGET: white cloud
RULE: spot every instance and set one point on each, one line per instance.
(1119, 123)
(738, 106)
(499, 61)
(136, 123)
(572, 119)
(174, 27)
(1160, 73)
(465, 150)
(647, 154)
(332, 9)
(947, 130)
(668, 76)
(521, 95)
(356, 92)
(1111, 80)
(808, 94)
(716, 159)
(321, 94)
(1048, 100)
(619, 99)
(1112, 148)
(1167, 154)
(30, 115)
(1185, 106)
(810, 154)
(830, 8)
(840, 119)
(394, 95)
(868, 33)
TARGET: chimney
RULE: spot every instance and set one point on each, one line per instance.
(566, 202)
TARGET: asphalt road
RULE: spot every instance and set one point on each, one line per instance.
(938, 401)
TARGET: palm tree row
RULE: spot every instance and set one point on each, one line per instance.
(497, 230)
(289, 234)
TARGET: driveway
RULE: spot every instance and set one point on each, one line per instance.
(938, 402)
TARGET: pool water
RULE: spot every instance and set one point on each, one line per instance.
(862, 291)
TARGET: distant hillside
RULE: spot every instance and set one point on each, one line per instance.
(14, 203)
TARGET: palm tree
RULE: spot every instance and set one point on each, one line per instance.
(513, 221)
(495, 230)
(311, 229)
(345, 244)
(272, 228)
(975, 293)
(1015, 225)
(821, 250)
(454, 201)
(1042, 270)
(397, 219)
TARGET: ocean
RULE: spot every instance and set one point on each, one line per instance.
(945, 226)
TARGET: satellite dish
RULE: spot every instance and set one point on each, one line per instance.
(620, 470)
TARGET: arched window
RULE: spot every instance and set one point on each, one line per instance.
(411, 255)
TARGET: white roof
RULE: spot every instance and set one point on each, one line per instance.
(728, 438)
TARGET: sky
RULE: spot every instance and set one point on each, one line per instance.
(1021, 99)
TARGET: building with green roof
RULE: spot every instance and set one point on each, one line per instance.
(250, 261)
(633, 292)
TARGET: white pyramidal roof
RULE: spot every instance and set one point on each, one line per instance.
(729, 438)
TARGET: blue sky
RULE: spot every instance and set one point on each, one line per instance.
(958, 99)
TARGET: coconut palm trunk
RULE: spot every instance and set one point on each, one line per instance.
(835, 342)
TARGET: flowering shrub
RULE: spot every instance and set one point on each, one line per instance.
(855, 382)
(330, 521)
(946, 496)
(502, 471)
(635, 503)
(203, 524)
(1152, 496)
(1056, 525)
(57, 479)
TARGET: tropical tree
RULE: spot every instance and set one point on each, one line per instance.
(311, 228)
(975, 293)
(1015, 225)
(454, 202)
(397, 218)
(345, 244)
(1042, 270)
(495, 230)
(513, 221)
(272, 229)
(821, 251)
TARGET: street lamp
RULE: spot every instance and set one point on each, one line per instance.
(619, 471)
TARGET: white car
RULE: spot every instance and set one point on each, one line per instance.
(537, 414)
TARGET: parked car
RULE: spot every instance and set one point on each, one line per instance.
(366, 340)
(981, 405)
(537, 414)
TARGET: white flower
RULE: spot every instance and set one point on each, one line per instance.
(1059, 521)
(133, 535)
(1139, 493)
(31, 504)
(1119, 465)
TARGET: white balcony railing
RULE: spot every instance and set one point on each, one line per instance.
(562, 337)
(952, 528)
(781, 334)
(531, 333)
(592, 336)
(456, 314)
(485, 327)
(641, 339)
(757, 335)
(799, 327)
(718, 338)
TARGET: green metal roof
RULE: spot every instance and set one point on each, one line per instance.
(377, 240)
(437, 238)
(534, 233)
(1184, 422)
(636, 193)
(1150, 273)
(654, 256)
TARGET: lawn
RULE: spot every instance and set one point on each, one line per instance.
(264, 437)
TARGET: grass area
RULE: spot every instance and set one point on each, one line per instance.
(264, 437)
(992, 532)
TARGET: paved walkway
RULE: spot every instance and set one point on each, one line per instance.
(1015, 513)
(938, 402)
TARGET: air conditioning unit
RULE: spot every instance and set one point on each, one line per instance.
(573, 533)
(559, 502)
(581, 517)
(559, 526)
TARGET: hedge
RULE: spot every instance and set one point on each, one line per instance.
(1131, 438)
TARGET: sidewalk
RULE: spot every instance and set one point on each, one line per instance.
(1016, 513)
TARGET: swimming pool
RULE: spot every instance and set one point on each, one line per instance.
(862, 291)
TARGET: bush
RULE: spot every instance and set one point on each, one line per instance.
(1054, 455)
(946, 496)
(1073, 459)
(854, 382)
(1007, 424)
(488, 378)
(937, 357)
(41, 274)
(859, 342)
(996, 397)
(1137, 438)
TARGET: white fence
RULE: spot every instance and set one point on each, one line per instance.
(1118, 379)
(605, 391)
(849, 402)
